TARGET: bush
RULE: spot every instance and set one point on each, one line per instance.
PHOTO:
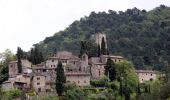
(100, 83)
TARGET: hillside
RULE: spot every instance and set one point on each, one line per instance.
(138, 35)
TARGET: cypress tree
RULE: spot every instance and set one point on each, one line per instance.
(19, 57)
(103, 47)
(82, 48)
(110, 68)
(36, 56)
(99, 51)
(60, 79)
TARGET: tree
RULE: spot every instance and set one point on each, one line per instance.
(19, 57)
(82, 48)
(36, 56)
(103, 47)
(60, 79)
(110, 69)
(5, 57)
(127, 76)
(99, 51)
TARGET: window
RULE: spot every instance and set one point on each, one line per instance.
(151, 74)
(99, 72)
(38, 83)
(84, 81)
(151, 79)
(38, 78)
(39, 89)
(11, 65)
(52, 60)
(78, 81)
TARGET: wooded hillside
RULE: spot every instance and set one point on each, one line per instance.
(140, 36)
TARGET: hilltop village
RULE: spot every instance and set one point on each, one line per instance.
(80, 71)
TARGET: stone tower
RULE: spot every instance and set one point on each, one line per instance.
(98, 38)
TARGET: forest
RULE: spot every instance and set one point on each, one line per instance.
(138, 35)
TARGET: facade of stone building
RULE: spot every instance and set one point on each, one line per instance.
(98, 64)
(98, 39)
(146, 75)
(13, 67)
(39, 82)
(79, 78)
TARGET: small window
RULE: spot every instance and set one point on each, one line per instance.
(151, 74)
(52, 60)
(39, 89)
(11, 65)
(78, 81)
(38, 78)
(84, 81)
(151, 79)
(146, 73)
(38, 83)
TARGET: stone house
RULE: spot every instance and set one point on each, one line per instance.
(20, 81)
(79, 78)
(146, 75)
(98, 64)
(13, 67)
(39, 82)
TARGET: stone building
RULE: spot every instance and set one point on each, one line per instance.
(39, 82)
(146, 75)
(98, 64)
(13, 67)
(20, 81)
(98, 39)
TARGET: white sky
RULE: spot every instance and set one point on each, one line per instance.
(26, 22)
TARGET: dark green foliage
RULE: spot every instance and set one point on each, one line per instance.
(60, 79)
(99, 51)
(19, 57)
(83, 48)
(7, 57)
(138, 35)
(36, 56)
(138, 89)
(110, 69)
(100, 83)
(88, 47)
(103, 47)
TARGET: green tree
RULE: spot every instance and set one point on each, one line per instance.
(19, 57)
(127, 76)
(103, 47)
(82, 48)
(110, 69)
(60, 79)
(5, 57)
(36, 56)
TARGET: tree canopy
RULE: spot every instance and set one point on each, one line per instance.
(139, 35)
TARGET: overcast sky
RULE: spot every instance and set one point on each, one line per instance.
(26, 22)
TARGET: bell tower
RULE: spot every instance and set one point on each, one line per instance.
(98, 39)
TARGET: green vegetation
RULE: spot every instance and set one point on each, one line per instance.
(19, 57)
(5, 57)
(11, 95)
(103, 47)
(35, 56)
(60, 79)
(140, 36)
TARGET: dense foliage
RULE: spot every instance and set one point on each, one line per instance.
(5, 57)
(60, 79)
(138, 35)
